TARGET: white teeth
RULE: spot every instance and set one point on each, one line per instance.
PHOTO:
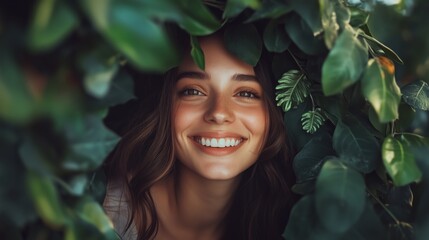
(218, 142)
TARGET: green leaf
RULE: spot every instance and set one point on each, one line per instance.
(292, 90)
(399, 162)
(16, 102)
(414, 140)
(147, 47)
(275, 37)
(53, 21)
(344, 64)
(90, 142)
(312, 120)
(303, 217)
(359, 17)
(416, 94)
(334, 16)
(309, 160)
(301, 34)
(244, 42)
(195, 18)
(309, 11)
(386, 51)
(97, 80)
(234, 7)
(46, 199)
(197, 53)
(270, 9)
(120, 91)
(340, 196)
(356, 145)
(380, 89)
(91, 212)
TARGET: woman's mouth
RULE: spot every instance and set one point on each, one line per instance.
(218, 142)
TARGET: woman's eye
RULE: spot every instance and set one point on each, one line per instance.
(247, 94)
(191, 92)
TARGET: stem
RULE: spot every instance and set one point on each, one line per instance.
(296, 61)
(312, 102)
(388, 212)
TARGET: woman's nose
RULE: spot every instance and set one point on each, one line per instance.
(219, 110)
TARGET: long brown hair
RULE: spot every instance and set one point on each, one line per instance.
(145, 156)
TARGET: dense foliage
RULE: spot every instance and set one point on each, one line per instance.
(361, 162)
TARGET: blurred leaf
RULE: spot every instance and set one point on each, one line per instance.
(16, 103)
(100, 66)
(309, 160)
(304, 188)
(303, 217)
(196, 19)
(90, 142)
(270, 9)
(197, 53)
(312, 120)
(380, 89)
(359, 17)
(244, 42)
(275, 37)
(16, 207)
(302, 35)
(344, 64)
(53, 21)
(309, 11)
(46, 200)
(234, 7)
(121, 90)
(334, 16)
(75, 186)
(147, 47)
(355, 145)
(91, 212)
(416, 94)
(399, 162)
(292, 89)
(34, 158)
(414, 140)
(340, 196)
(406, 115)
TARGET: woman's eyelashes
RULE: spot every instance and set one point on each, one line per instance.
(191, 92)
(248, 94)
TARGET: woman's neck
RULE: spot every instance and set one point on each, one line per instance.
(194, 204)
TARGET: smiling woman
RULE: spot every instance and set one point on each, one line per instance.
(211, 162)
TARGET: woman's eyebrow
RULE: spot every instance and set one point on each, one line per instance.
(244, 77)
(191, 74)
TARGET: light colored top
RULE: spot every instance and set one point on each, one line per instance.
(116, 207)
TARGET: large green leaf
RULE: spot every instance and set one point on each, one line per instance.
(340, 196)
(53, 21)
(309, 160)
(344, 64)
(399, 162)
(195, 18)
(121, 23)
(244, 42)
(275, 37)
(380, 89)
(416, 94)
(90, 142)
(46, 199)
(302, 35)
(309, 11)
(304, 224)
(356, 145)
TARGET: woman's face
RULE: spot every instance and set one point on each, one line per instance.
(219, 116)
